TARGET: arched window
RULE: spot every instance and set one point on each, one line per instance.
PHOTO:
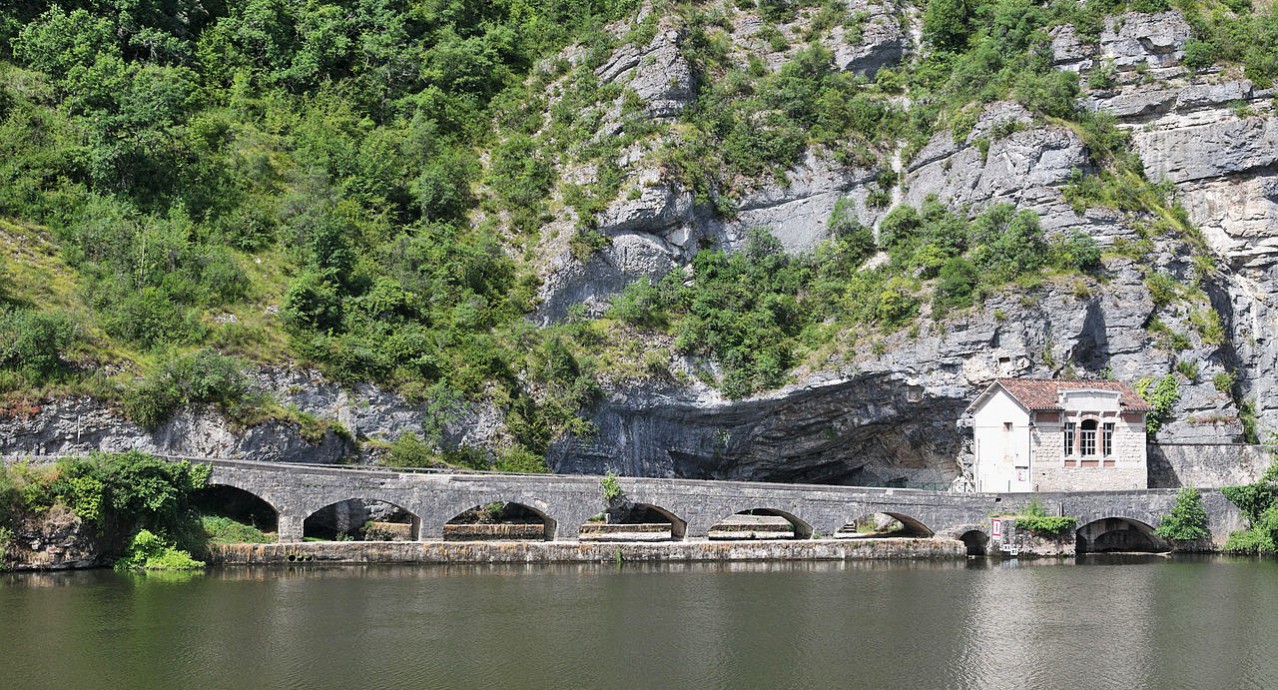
(1087, 438)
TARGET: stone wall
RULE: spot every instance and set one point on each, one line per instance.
(1120, 478)
(1206, 466)
(585, 552)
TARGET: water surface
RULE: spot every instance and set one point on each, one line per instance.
(1136, 623)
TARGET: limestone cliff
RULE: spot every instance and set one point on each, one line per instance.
(884, 409)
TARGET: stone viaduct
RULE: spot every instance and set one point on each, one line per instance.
(565, 502)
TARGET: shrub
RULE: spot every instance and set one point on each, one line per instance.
(1162, 395)
(149, 317)
(1075, 251)
(958, 280)
(1007, 243)
(1259, 502)
(899, 227)
(640, 304)
(946, 24)
(312, 303)
(202, 377)
(224, 530)
(1187, 520)
(610, 486)
(1199, 54)
(1163, 288)
(1046, 526)
(35, 343)
(148, 551)
(409, 450)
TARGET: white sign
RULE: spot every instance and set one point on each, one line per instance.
(996, 527)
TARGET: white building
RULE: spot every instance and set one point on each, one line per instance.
(1044, 435)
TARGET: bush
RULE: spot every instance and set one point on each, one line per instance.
(958, 280)
(1162, 395)
(1259, 503)
(1037, 521)
(35, 343)
(1075, 251)
(640, 304)
(946, 24)
(149, 318)
(148, 551)
(1187, 520)
(202, 377)
(312, 303)
(409, 450)
(1007, 243)
(1047, 526)
(610, 486)
(1199, 54)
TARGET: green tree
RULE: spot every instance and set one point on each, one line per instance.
(1187, 521)
(947, 24)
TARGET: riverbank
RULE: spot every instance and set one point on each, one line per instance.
(585, 552)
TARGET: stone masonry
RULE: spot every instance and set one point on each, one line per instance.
(693, 507)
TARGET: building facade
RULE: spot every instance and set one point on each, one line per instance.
(1045, 435)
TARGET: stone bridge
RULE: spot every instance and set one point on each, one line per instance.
(565, 502)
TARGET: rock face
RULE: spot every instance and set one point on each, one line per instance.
(77, 426)
(887, 413)
(56, 540)
(662, 226)
(658, 73)
(879, 39)
(1128, 42)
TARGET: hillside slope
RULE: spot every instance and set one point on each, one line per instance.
(766, 241)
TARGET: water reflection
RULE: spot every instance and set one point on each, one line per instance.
(1100, 622)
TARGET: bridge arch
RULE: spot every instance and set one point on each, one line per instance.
(1118, 533)
(646, 518)
(744, 525)
(500, 520)
(349, 518)
(976, 541)
(237, 503)
(885, 523)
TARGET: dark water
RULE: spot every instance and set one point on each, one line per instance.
(1149, 623)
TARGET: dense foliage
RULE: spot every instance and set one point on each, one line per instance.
(1037, 521)
(200, 164)
(755, 310)
(116, 495)
(1259, 503)
(363, 185)
(1187, 521)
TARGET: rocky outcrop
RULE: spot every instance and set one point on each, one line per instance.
(884, 412)
(80, 425)
(891, 418)
(1213, 136)
(658, 73)
(1129, 42)
(53, 540)
(1008, 157)
(876, 39)
(657, 225)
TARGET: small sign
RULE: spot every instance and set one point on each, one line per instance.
(1022, 475)
(996, 527)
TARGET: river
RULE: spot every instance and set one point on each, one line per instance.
(1148, 622)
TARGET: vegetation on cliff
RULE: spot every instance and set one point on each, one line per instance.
(1258, 502)
(115, 498)
(188, 189)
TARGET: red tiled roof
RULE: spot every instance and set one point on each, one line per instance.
(1044, 394)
